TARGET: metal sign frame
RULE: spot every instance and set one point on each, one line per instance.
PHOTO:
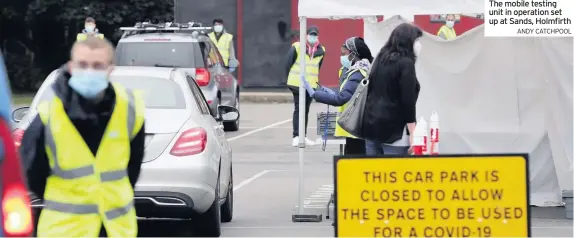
(336, 159)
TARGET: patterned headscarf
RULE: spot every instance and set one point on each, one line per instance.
(358, 47)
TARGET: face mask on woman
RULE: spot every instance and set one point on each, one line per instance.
(417, 48)
(345, 62)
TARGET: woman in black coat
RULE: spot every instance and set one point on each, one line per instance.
(390, 110)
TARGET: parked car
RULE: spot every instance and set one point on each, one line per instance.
(16, 216)
(185, 47)
(187, 170)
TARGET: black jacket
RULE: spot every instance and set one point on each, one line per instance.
(391, 102)
(292, 57)
(89, 120)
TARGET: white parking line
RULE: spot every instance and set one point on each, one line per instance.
(249, 180)
(258, 130)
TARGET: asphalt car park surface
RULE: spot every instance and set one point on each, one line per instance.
(266, 185)
(265, 168)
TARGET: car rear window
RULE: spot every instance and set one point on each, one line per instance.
(159, 54)
(158, 93)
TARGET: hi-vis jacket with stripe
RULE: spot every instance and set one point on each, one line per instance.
(312, 65)
(83, 191)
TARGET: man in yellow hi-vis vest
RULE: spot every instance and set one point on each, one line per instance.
(224, 42)
(89, 30)
(83, 152)
(315, 53)
(447, 31)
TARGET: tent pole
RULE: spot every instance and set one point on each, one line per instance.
(302, 93)
(300, 215)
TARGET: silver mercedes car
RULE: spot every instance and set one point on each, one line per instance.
(187, 171)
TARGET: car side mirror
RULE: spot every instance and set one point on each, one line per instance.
(233, 63)
(19, 113)
(228, 113)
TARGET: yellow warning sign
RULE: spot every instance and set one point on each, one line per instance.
(439, 196)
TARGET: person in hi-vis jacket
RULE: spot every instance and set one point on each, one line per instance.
(315, 53)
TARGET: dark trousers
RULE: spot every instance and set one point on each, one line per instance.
(354, 146)
(308, 99)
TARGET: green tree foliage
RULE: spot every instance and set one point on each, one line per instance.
(36, 35)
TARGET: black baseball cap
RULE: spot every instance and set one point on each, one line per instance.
(313, 30)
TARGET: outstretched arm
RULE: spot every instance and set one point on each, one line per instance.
(332, 98)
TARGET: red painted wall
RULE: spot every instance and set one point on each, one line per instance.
(332, 34)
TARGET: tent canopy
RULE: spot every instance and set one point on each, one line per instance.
(368, 8)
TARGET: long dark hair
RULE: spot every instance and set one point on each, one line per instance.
(400, 44)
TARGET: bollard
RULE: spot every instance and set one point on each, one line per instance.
(434, 133)
(420, 137)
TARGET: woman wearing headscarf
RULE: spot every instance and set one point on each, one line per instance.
(356, 61)
(390, 109)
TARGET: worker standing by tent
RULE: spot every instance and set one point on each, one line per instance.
(356, 62)
(447, 31)
(315, 53)
(89, 30)
(224, 42)
(83, 151)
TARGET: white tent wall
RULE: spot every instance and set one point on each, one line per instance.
(499, 95)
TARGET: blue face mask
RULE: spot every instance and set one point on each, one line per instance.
(345, 62)
(88, 82)
(312, 39)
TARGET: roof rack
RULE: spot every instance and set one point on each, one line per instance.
(147, 27)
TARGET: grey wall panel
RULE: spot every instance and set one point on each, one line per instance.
(264, 50)
(207, 10)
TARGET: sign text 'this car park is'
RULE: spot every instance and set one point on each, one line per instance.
(460, 196)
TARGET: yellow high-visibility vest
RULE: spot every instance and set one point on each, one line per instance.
(311, 69)
(448, 32)
(84, 36)
(339, 132)
(85, 191)
(223, 45)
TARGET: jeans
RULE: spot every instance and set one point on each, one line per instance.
(374, 148)
(308, 100)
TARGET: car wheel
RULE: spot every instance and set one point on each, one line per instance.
(227, 206)
(233, 126)
(208, 224)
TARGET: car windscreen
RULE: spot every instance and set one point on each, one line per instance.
(158, 93)
(156, 54)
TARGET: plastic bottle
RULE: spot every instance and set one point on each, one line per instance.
(434, 133)
(420, 137)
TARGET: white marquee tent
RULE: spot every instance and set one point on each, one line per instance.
(494, 95)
